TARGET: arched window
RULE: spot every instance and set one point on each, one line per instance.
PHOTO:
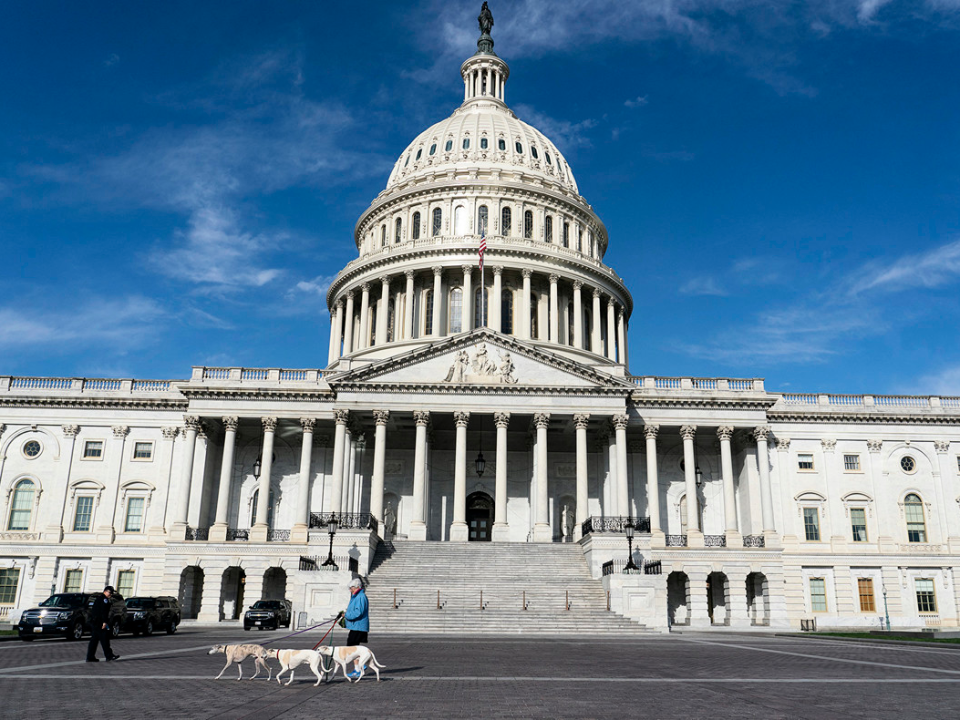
(548, 229)
(913, 511)
(569, 323)
(528, 224)
(449, 146)
(579, 241)
(419, 153)
(683, 513)
(506, 312)
(456, 310)
(549, 161)
(253, 508)
(428, 312)
(502, 144)
(519, 147)
(383, 236)
(397, 229)
(416, 226)
(506, 220)
(533, 151)
(372, 327)
(482, 220)
(22, 508)
(466, 143)
(460, 221)
(437, 221)
(433, 148)
(391, 319)
(483, 143)
(479, 320)
(566, 234)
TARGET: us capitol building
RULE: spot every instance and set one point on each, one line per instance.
(458, 408)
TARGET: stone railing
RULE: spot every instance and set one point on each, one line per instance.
(197, 533)
(813, 402)
(714, 540)
(257, 376)
(754, 541)
(278, 536)
(5, 611)
(345, 521)
(707, 384)
(676, 540)
(14, 536)
(618, 524)
(238, 534)
(14, 385)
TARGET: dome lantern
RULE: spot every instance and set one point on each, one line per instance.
(484, 74)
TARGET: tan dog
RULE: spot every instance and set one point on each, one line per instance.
(345, 654)
(238, 653)
(290, 659)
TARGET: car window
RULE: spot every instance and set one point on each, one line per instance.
(141, 603)
(62, 599)
(266, 605)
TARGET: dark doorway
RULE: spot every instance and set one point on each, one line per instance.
(479, 516)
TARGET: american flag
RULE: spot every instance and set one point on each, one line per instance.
(483, 247)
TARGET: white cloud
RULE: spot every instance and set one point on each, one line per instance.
(945, 383)
(112, 60)
(702, 286)
(564, 133)
(318, 286)
(929, 269)
(867, 9)
(640, 101)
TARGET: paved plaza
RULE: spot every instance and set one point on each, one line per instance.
(677, 676)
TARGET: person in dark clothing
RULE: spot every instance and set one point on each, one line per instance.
(100, 626)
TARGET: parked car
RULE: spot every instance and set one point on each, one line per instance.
(67, 615)
(270, 614)
(145, 615)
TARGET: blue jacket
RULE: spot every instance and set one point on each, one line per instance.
(357, 615)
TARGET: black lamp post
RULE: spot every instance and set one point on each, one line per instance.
(480, 463)
(629, 529)
(332, 529)
(699, 475)
(256, 468)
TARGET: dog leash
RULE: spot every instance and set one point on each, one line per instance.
(300, 632)
(328, 632)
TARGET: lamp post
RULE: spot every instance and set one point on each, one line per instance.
(332, 529)
(629, 529)
(886, 612)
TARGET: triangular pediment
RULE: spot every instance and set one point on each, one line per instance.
(481, 358)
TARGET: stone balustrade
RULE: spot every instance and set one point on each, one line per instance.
(257, 376)
(15, 385)
(707, 384)
(812, 402)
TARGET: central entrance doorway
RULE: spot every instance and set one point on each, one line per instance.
(479, 516)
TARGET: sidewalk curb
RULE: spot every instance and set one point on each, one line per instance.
(882, 641)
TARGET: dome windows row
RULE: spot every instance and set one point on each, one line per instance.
(484, 145)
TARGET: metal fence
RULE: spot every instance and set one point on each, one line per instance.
(345, 521)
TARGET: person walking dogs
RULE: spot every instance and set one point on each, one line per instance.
(357, 619)
(100, 626)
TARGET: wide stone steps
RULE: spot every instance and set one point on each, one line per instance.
(551, 579)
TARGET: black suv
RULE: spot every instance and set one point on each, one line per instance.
(147, 614)
(67, 615)
(265, 614)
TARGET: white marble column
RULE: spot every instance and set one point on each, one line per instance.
(611, 331)
(623, 496)
(577, 315)
(653, 483)
(348, 325)
(418, 526)
(408, 307)
(501, 529)
(458, 529)
(437, 300)
(336, 332)
(596, 340)
(383, 311)
(467, 311)
(621, 338)
(258, 533)
(541, 529)
(725, 433)
(342, 417)
(379, 463)
(218, 533)
(191, 428)
(364, 340)
(583, 498)
(525, 308)
(554, 310)
(694, 533)
(350, 465)
(301, 527)
(761, 434)
(493, 303)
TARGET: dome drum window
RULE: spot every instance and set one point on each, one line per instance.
(482, 217)
(416, 226)
(528, 224)
(506, 220)
(398, 231)
(437, 221)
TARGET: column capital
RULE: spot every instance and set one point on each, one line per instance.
(761, 432)
(461, 418)
(541, 420)
(725, 433)
(688, 432)
(783, 444)
(828, 444)
(554, 278)
(526, 272)
(596, 293)
(341, 416)
(120, 431)
(501, 419)
(169, 433)
(381, 416)
(308, 423)
(577, 285)
(365, 287)
(874, 446)
(581, 420)
(230, 423)
(68, 430)
(191, 422)
(421, 417)
(385, 279)
(941, 446)
(269, 424)
(611, 302)
(437, 270)
(620, 421)
(650, 431)
(409, 274)
(467, 270)
(350, 293)
(497, 270)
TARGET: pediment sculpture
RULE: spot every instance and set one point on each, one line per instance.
(481, 368)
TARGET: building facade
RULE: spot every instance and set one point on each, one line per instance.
(461, 404)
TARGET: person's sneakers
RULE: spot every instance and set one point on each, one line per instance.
(93, 659)
(112, 658)
(354, 674)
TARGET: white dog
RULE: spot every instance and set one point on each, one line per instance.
(345, 654)
(290, 659)
(238, 653)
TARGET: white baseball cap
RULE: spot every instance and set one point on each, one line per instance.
(356, 583)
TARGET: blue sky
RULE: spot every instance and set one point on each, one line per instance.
(780, 181)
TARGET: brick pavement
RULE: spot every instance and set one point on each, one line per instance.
(681, 676)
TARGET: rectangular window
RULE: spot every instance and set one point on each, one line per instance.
(865, 587)
(805, 461)
(818, 595)
(84, 515)
(9, 578)
(125, 580)
(851, 463)
(858, 524)
(811, 524)
(143, 451)
(134, 522)
(73, 581)
(926, 595)
(428, 313)
(93, 449)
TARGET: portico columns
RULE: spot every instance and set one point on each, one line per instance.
(653, 484)
(192, 427)
(363, 340)
(301, 527)
(418, 526)
(218, 533)
(760, 434)
(336, 332)
(336, 478)
(408, 307)
(437, 303)
(611, 331)
(494, 304)
(467, 306)
(525, 329)
(596, 342)
(554, 310)
(577, 316)
(379, 463)
(501, 529)
(724, 433)
(541, 529)
(384, 310)
(583, 499)
(258, 533)
(458, 529)
(694, 534)
(623, 499)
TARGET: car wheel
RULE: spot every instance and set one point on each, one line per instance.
(26, 638)
(136, 633)
(247, 629)
(172, 628)
(148, 628)
(115, 628)
(76, 631)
